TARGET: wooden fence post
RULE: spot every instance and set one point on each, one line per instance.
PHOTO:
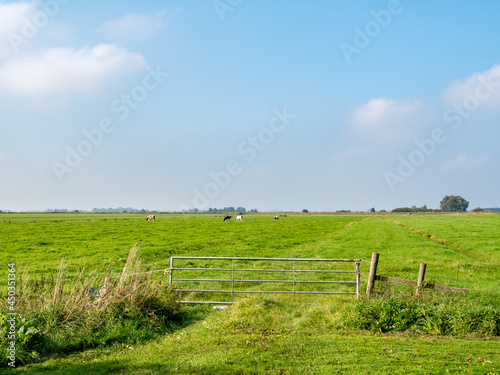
(421, 276)
(373, 273)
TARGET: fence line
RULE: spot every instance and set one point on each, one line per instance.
(419, 284)
(372, 276)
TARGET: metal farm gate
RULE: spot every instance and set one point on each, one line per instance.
(234, 274)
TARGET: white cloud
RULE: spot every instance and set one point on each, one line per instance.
(13, 17)
(386, 118)
(479, 90)
(379, 110)
(66, 70)
(350, 152)
(465, 163)
(134, 26)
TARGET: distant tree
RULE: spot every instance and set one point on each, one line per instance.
(305, 210)
(373, 209)
(402, 209)
(254, 210)
(452, 203)
(478, 209)
(412, 209)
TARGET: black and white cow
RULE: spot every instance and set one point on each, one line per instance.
(227, 217)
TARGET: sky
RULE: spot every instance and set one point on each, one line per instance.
(275, 106)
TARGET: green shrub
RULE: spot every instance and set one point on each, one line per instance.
(433, 317)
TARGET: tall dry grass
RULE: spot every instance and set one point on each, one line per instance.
(59, 314)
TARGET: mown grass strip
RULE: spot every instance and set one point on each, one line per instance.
(269, 336)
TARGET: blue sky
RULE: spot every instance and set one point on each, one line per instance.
(281, 105)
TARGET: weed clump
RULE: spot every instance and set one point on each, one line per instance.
(58, 315)
(431, 317)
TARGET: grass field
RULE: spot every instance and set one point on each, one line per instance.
(270, 334)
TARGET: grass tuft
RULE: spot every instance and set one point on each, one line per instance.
(59, 315)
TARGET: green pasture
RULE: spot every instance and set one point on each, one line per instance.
(459, 250)
(102, 240)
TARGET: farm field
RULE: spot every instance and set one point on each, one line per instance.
(104, 241)
(270, 334)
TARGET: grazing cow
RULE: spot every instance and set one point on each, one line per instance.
(276, 217)
(227, 217)
(239, 218)
(151, 217)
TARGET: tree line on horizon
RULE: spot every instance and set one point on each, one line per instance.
(450, 203)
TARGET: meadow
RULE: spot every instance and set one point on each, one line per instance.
(271, 334)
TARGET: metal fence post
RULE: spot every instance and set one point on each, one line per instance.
(171, 269)
(294, 281)
(232, 283)
(357, 279)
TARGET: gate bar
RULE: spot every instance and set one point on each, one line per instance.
(262, 270)
(270, 281)
(258, 291)
(280, 259)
